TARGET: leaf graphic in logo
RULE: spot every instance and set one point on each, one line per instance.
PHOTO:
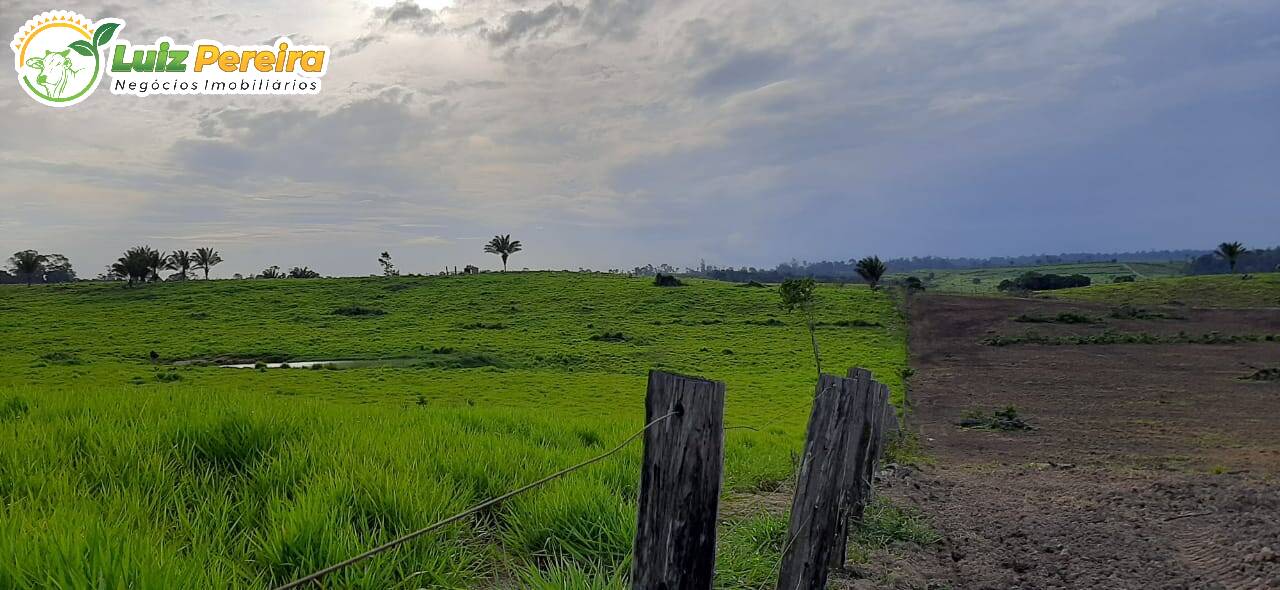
(103, 35)
(82, 47)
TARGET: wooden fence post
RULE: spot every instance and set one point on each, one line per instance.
(880, 399)
(814, 510)
(857, 440)
(675, 545)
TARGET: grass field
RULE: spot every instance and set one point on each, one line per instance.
(1260, 290)
(979, 281)
(117, 472)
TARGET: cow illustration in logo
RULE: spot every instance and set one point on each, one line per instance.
(55, 71)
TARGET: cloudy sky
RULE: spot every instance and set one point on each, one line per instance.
(612, 133)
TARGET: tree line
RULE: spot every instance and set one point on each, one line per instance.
(144, 264)
(1233, 257)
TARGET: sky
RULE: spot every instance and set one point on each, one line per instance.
(615, 133)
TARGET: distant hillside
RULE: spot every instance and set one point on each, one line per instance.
(827, 270)
(979, 281)
(1260, 290)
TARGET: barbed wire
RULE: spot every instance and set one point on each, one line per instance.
(315, 576)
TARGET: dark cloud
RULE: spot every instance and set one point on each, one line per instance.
(407, 14)
(532, 24)
(359, 144)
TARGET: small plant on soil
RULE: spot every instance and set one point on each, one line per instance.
(1005, 419)
(1065, 317)
(1125, 312)
(1263, 375)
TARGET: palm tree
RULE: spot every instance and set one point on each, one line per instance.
(1231, 252)
(155, 263)
(503, 246)
(871, 269)
(137, 264)
(28, 262)
(181, 261)
(205, 259)
(303, 272)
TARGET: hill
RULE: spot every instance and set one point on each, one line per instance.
(1259, 290)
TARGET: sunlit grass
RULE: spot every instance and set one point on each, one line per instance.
(114, 474)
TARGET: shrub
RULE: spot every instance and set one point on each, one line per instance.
(1034, 281)
(1065, 317)
(856, 323)
(1123, 279)
(356, 310)
(662, 280)
(610, 337)
(1136, 313)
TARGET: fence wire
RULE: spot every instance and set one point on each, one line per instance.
(317, 575)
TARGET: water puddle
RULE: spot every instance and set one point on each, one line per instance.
(336, 364)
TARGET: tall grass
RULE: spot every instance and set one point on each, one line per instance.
(213, 489)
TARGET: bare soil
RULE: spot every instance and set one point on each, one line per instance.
(1149, 466)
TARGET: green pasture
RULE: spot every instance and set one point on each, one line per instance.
(120, 472)
(1233, 290)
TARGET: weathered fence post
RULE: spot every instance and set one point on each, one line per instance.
(814, 510)
(856, 444)
(680, 481)
(880, 399)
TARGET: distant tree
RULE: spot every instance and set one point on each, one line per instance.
(137, 265)
(57, 269)
(503, 246)
(181, 261)
(913, 284)
(271, 272)
(28, 263)
(1230, 252)
(388, 269)
(302, 272)
(205, 259)
(1034, 281)
(799, 295)
(871, 269)
(156, 262)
